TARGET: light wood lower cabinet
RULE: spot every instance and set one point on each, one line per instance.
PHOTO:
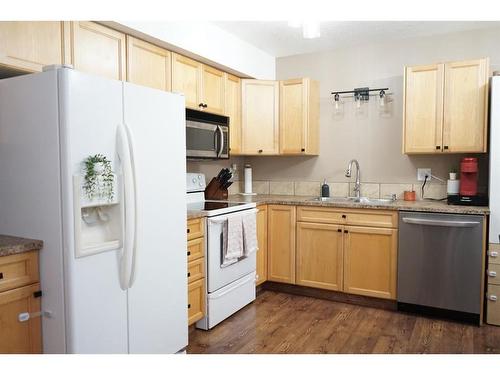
(493, 291)
(196, 269)
(97, 49)
(319, 255)
(148, 65)
(29, 46)
(262, 243)
(281, 244)
(370, 261)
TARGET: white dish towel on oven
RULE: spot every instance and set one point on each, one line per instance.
(234, 243)
(250, 243)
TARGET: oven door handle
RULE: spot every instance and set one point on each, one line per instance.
(440, 223)
(221, 141)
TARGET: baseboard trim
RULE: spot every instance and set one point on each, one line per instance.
(329, 295)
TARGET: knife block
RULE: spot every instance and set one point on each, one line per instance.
(214, 191)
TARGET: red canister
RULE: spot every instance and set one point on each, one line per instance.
(468, 176)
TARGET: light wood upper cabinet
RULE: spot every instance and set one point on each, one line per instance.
(281, 244)
(260, 125)
(148, 65)
(28, 46)
(202, 85)
(465, 106)
(186, 79)
(97, 49)
(445, 107)
(370, 261)
(299, 117)
(233, 111)
(423, 108)
(262, 243)
(319, 255)
(212, 89)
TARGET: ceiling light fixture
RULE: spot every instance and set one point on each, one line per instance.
(310, 30)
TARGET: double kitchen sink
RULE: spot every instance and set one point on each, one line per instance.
(363, 200)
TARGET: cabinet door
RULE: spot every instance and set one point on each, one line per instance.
(370, 261)
(260, 126)
(281, 244)
(262, 243)
(28, 46)
(465, 106)
(196, 301)
(293, 116)
(97, 49)
(212, 89)
(186, 79)
(148, 65)
(15, 336)
(319, 255)
(423, 109)
(233, 111)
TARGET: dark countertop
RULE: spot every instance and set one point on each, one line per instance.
(398, 205)
(10, 245)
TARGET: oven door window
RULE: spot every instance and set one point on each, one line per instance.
(201, 139)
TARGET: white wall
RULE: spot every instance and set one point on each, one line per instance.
(205, 42)
(373, 138)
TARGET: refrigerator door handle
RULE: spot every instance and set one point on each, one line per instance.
(125, 154)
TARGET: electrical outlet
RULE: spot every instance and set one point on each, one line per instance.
(422, 172)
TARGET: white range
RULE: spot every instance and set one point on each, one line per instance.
(229, 287)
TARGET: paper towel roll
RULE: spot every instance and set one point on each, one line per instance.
(248, 179)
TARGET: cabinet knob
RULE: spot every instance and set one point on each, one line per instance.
(492, 297)
(493, 254)
(445, 147)
(205, 105)
(260, 151)
(189, 274)
(1, 275)
(189, 305)
(346, 231)
(189, 230)
(303, 150)
(339, 230)
(344, 216)
(189, 253)
(491, 273)
(438, 147)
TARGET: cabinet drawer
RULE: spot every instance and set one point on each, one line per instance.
(18, 270)
(320, 215)
(195, 249)
(494, 254)
(196, 270)
(196, 301)
(195, 228)
(372, 218)
(349, 216)
(493, 305)
(493, 273)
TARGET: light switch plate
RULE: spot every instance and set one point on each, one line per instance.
(422, 172)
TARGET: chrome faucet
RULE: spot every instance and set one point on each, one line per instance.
(357, 185)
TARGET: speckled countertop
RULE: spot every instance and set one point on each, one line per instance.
(399, 205)
(10, 245)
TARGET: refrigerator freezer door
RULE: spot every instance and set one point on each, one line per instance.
(157, 298)
(495, 160)
(91, 108)
(30, 185)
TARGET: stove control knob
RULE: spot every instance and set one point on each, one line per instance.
(199, 177)
(194, 180)
(200, 183)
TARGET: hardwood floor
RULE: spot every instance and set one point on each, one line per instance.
(285, 323)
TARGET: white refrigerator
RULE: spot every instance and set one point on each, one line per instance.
(494, 188)
(113, 272)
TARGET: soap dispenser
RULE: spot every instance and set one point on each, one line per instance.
(325, 190)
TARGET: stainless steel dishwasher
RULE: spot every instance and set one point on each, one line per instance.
(440, 264)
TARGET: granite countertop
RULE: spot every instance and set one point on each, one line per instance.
(398, 205)
(10, 245)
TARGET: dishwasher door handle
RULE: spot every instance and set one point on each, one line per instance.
(440, 223)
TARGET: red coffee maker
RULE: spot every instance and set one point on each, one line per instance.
(469, 171)
(468, 177)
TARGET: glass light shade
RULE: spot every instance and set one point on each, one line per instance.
(311, 30)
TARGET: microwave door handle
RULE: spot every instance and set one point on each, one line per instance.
(221, 141)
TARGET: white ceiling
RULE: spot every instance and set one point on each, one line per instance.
(278, 39)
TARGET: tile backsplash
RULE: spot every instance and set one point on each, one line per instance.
(341, 189)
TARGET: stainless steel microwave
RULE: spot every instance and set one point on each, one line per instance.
(207, 135)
